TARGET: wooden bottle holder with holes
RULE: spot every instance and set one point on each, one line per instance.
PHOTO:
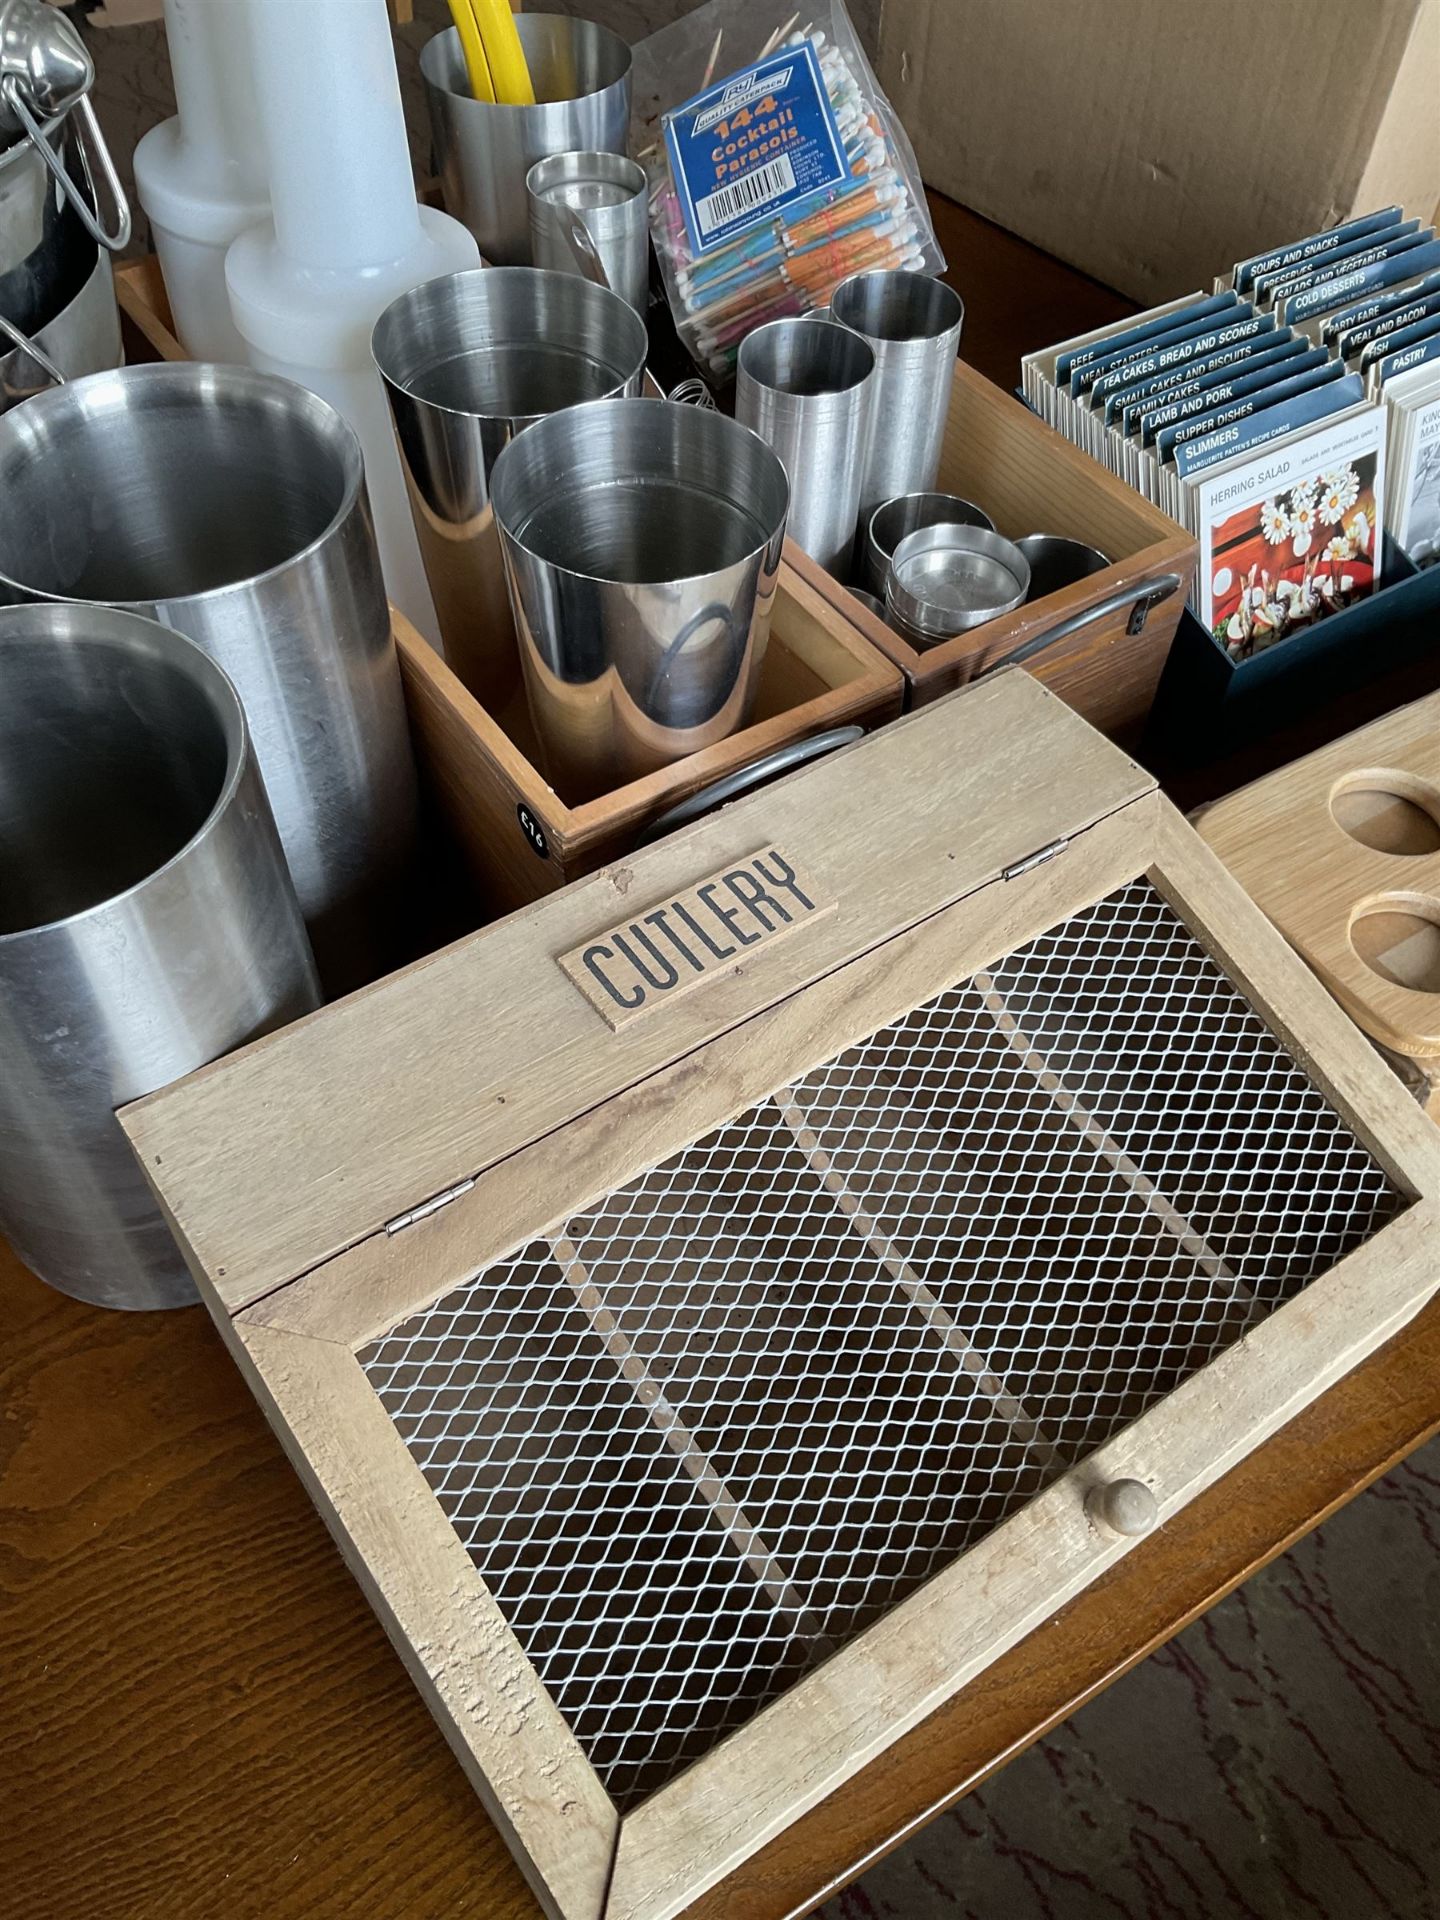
(668, 1341)
(1342, 851)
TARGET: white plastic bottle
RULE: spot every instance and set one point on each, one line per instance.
(201, 176)
(347, 236)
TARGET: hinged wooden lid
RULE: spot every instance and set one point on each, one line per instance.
(311, 1140)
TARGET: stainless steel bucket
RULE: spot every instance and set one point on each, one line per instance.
(468, 361)
(147, 925)
(483, 152)
(642, 545)
(51, 151)
(230, 505)
(605, 195)
(805, 387)
(45, 252)
(84, 337)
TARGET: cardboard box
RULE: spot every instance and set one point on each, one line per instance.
(1154, 143)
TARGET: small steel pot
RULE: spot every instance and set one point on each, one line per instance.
(891, 521)
(945, 580)
(604, 196)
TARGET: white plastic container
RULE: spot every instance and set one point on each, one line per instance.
(347, 235)
(201, 176)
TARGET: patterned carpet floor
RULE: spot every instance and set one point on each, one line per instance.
(1279, 1760)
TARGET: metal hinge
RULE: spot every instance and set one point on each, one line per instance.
(427, 1207)
(1034, 859)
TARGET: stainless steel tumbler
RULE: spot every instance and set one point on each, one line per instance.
(606, 194)
(805, 387)
(147, 925)
(468, 361)
(483, 151)
(231, 505)
(912, 322)
(642, 545)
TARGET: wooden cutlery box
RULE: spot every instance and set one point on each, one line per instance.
(723, 1306)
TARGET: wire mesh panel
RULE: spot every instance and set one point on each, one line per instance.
(720, 1421)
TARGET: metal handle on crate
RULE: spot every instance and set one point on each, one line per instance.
(1142, 599)
(28, 347)
(91, 136)
(799, 753)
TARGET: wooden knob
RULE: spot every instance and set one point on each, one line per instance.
(1124, 1506)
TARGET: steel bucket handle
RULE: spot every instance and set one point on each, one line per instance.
(91, 136)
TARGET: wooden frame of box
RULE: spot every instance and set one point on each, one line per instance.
(1029, 479)
(331, 1181)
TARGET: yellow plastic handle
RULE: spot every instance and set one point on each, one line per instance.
(505, 54)
(473, 47)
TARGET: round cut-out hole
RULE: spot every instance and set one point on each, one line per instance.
(1388, 811)
(1397, 935)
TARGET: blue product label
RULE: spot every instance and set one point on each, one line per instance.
(752, 147)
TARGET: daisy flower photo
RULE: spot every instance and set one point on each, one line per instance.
(1338, 549)
(1275, 522)
(1304, 522)
(1338, 493)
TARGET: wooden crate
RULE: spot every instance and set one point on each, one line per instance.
(145, 319)
(708, 1365)
(1030, 480)
(522, 840)
(519, 837)
(1342, 851)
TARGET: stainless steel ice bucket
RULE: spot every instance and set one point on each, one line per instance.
(468, 361)
(231, 505)
(44, 248)
(483, 151)
(147, 925)
(642, 546)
